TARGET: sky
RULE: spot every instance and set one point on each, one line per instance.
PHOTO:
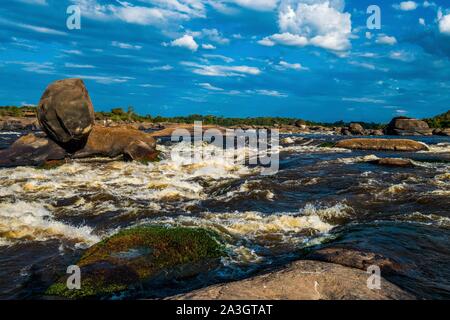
(311, 59)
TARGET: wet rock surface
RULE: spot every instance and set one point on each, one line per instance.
(115, 141)
(403, 126)
(382, 144)
(31, 150)
(135, 259)
(301, 280)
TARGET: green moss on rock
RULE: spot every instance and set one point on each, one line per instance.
(327, 145)
(135, 256)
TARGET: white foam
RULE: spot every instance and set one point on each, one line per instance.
(34, 221)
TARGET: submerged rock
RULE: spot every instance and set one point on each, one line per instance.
(301, 280)
(382, 144)
(393, 162)
(31, 150)
(403, 126)
(66, 114)
(114, 141)
(135, 258)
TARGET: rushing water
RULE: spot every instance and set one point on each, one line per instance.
(48, 217)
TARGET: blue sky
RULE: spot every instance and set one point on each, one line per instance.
(312, 59)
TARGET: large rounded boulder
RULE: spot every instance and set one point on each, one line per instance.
(66, 114)
(403, 126)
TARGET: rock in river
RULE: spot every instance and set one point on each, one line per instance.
(31, 150)
(139, 257)
(403, 126)
(66, 114)
(301, 280)
(114, 141)
(382, 144)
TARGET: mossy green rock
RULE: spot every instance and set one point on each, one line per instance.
(137, 256)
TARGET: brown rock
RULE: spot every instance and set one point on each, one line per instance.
(66, 114)
(302, 280)
(403, 126)
(393, 162)
(114, 141)
(382, 144)
(31, 150)
(356, 259)
(442, 132)
(140, 151)
(18, 124)
(356, 129)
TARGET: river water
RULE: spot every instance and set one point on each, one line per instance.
(319, 195)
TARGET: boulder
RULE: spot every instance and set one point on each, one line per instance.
(66, 114)
(377, 132)
(31, 150)
(115, 141)
(356, 259)
(442, 132)
(393, 162)
(302, 280)
(356, 129)
(382, 144)
(403, 126)
(142, 257)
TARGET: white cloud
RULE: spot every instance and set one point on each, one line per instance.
(265, 92)
(384, 39)
(186, 41)
(74, 52)
(406, 5)
(79, 66)
(213, 35)
(161, 68)
(208, 46)
(147, 85)
(428, 4)
(287, 39)
(34, 28)
(283, 65)
(218, 56)
(320, 23)
(35, 67)
(124, 45)
(103, 79)
(402, 56)
(363, 100)
(422, 21)
(221, 71)
(208, 86)
(444, 23)
(260, 5)
(39, 2)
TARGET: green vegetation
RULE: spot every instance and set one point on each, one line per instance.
(119, 114)
(440, 121)
(12, 111)
(134, 256)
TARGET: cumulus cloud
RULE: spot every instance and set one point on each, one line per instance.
(444, 23)
(186, 41)
(384, 39)
(406, 6)
(320, 23)
(213, 35)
